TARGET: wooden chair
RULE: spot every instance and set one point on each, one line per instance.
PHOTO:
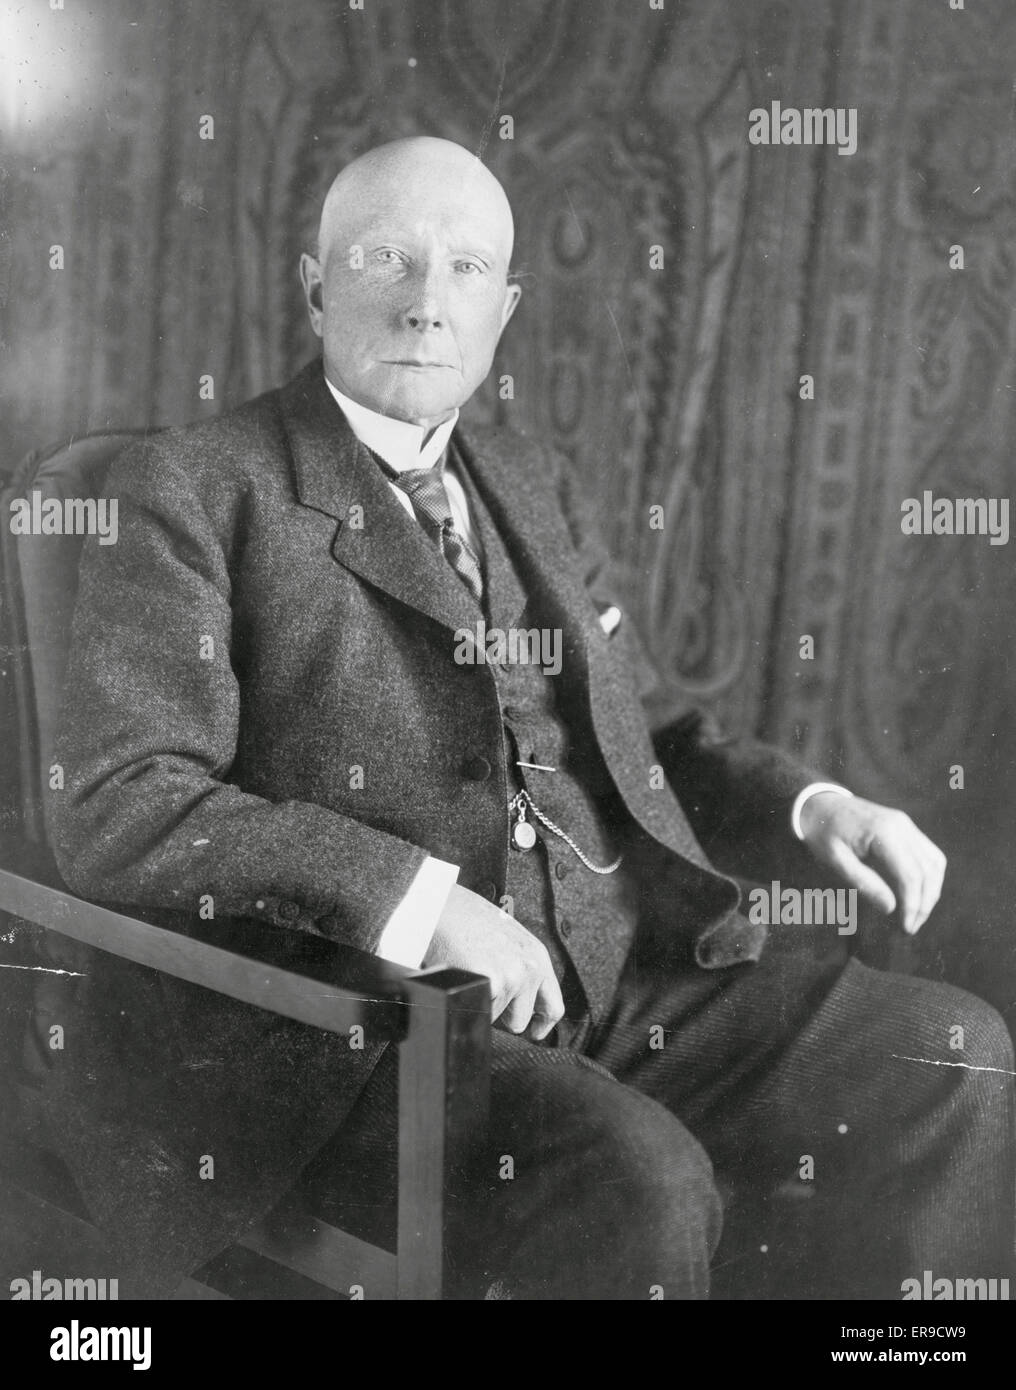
(440, 1019)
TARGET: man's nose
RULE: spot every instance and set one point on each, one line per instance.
(424, 309)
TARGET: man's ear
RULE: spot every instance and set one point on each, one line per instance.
(511, 300)
(312, 280)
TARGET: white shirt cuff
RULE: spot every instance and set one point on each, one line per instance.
(408, 931)
(809, 791)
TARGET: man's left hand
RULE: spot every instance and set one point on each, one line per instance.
(878, 851)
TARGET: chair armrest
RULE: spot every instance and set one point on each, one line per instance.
(302, 976)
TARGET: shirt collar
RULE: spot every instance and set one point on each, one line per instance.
(399, 443)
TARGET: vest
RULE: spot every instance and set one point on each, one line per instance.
(586, 920)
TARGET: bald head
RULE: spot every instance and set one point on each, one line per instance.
(409, 290)
(417, 174)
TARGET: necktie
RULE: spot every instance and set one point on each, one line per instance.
(426, 490)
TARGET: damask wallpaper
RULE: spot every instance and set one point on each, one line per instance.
(680, 287)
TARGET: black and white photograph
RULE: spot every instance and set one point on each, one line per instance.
(509, 776)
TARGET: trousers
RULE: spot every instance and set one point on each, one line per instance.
(798, 1128)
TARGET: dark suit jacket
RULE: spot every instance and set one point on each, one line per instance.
(269, 621)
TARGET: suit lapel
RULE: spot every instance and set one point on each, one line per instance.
(528, 518)
(526, 511)
(335, 474)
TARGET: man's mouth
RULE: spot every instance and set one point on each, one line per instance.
(415, 362)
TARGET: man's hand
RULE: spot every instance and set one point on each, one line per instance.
(473, 934)
(879, 851)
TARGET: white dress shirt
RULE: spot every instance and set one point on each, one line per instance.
(408, 932)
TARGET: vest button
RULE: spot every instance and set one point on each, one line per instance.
(564, 927)
(476, 768)
(562, 871)
(289, 910)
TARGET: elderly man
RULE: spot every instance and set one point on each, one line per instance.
(273, 708)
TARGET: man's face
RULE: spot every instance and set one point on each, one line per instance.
(410, 294)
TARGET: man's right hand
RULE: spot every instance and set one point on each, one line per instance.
(473, 934)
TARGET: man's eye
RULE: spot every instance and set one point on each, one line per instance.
(387, 255)
(469, 268)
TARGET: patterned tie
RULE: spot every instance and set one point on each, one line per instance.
(426, 490)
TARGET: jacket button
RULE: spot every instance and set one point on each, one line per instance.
(562, 871)
(489, 890)
(476, 768)
(289, 910)
(564, 927)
